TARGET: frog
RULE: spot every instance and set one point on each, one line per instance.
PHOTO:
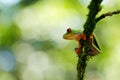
(77, 35)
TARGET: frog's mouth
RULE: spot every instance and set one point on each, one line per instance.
(71, 37)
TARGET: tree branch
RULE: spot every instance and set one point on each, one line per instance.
(94, 8)
(89, 26)
(107, 14)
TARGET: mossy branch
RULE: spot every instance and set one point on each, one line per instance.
(94, 8)
(89, 26)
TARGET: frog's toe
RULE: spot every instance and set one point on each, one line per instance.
(77, 50)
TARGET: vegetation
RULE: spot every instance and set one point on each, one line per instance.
(32, 47)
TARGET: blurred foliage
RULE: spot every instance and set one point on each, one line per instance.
(33, 29)
(25, 3)
(42, 45)
(9, 35)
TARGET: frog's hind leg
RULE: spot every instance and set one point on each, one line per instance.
(92, 49)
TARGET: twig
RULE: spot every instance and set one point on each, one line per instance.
(107, 14)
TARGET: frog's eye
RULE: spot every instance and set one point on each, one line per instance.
(68, 30)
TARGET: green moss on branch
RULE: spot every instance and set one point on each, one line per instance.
(89, 26)
(94, 8)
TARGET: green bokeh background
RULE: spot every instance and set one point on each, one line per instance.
(32, 31)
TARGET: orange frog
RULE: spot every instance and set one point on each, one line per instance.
(77, 35)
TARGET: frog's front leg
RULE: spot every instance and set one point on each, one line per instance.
(83, 36)
(91, 39)
(79, 49)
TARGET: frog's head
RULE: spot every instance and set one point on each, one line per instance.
(72, 34)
